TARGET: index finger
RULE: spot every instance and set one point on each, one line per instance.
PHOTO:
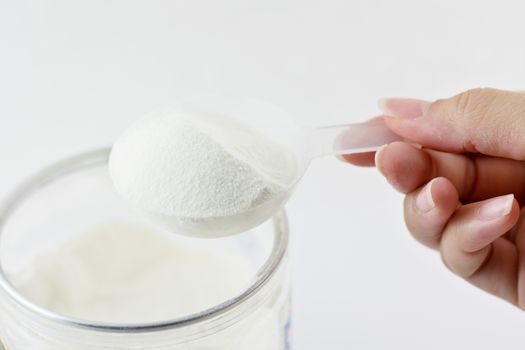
(487, 121)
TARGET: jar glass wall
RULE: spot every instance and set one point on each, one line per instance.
(65, 202)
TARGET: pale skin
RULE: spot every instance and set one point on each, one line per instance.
(462, 169)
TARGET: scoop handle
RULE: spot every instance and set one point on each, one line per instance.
(351, 138)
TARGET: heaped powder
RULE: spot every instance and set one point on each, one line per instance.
(121, 273)
(198, 166)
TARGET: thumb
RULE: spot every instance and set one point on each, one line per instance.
(487, 121)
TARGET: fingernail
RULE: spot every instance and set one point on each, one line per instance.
(377, 158)
(404, 108)
(424, 200)
(341, 158)
(496, 208)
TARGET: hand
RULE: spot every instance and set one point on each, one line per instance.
(462, 169)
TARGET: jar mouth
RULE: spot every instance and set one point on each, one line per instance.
(98, 157)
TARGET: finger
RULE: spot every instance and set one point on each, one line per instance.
(472, 246)
(428, 209)
(487, 121)
(359, 159)
(404, 166)
(476, 178)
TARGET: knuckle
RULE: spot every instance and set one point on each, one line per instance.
(473, 103)
(452, 258)
(470, 113)
(462, 264)
(509, 127)
(444, 259)
(449, 259)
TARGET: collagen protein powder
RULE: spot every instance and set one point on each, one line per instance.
(122, 273)
(197, 166)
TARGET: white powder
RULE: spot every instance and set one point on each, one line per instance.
(125, 274)
(196, 166)
(120, 273)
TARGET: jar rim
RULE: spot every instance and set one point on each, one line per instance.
(94, 158)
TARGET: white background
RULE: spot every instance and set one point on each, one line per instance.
(73, 74)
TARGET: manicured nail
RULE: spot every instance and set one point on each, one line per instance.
(424, 200)
(496, 208)
(341, 158)
(404, 108)
(377, 158)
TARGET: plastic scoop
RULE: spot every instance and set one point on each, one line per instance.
(238, 120)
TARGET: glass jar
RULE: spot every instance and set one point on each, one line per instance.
(69, 197)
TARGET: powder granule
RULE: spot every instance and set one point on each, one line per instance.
(193, 167)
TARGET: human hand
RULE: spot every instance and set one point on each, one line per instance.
(462, 169)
